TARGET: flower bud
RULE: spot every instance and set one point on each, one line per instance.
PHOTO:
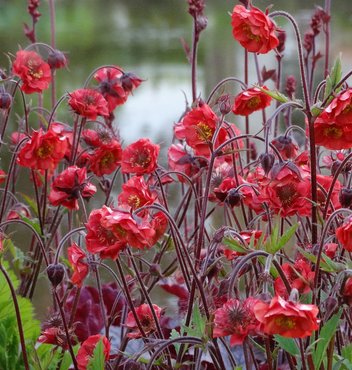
(290, 86)
(267, 161)
(253, 151)
(5, 100)
(225, 105)
(55, 273)
(281, 35)
(129, 81)
(233, 197)
(345, 197)
(57, 59)
(155, 270)
(286, 146)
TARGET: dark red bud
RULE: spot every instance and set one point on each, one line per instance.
(345, 197)
(5, 100)
(225, 105)
(201, 23)
(233, 197)
(56, 273)
(57, 59)
(155, 270)
(253, 151)
(267, 161)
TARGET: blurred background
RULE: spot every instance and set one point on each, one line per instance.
(144, 37)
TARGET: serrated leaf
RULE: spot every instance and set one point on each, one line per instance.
(326, 334)
(333, 78)
(287, 344)
(98, 359)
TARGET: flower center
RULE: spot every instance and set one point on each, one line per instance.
(205, 133)
(34, 70)
(253, 102)
(333, 132)
(248, 32)
(141, 158)
(107, 160)
(285, 322)
(134, 201)
(44, 151)
(286, 194)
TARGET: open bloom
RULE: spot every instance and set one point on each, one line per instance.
(253, 29)
(32, 70)
(77, 257)
(88, 103)
(251, 100)
(145, 318)
(344, 234)
(286, 318)
(236, 318)
(140, 157)
(69, 185)
(43, 151)
(86, 351)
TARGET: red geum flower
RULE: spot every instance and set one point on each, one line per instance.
(32, 70)
(88, 103)
(140, 157)
(54, 335)
(136, 193)
(66, 131)
(2, 176)
(105, 159)
(135, 231)
(57, 59)
(77, 257)
(251, 100)
(100, 238)
(286, 318)
(330, 249)
(286, 146)
(344, 234)
(145, 318)
(300, 276)
(198, 128)
(253, 29)
(130, 81)
(86, 351)
(236, 318)
(43, 151)
(347, 291)
(111, 87)
(69, 185)
(18, 211)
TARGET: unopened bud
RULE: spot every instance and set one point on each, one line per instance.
(233, 197)
(55, 273)
(345, 197)
(5, 100)
(57, 59)
(225, 105)
(267, 161)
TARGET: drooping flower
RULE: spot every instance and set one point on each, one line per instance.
(77, 257)
(344, 234)
(105, 158)
(253, 29)
(69, 185)
(32, 70)
(100, 238)
(86, 351)
(140, 157)
(286, 318)
(286, 146)
(57, 59)
(43, 151)
(333, 127)
(88, 103)
(236, 318)
(251, 100)
(145, 318)
(136, 193)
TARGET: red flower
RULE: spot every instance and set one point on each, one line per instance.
(286, 318)
(237, 319)
(88, 103)
(254, 30)
(198, 128)
(130, 230)
(2, 176)
(33, 71)
(86, 351)
(54, 335)
(140, 157)
(344, 234)
(136, 193)
(80, 268)
(300, 276)
(333, 127)
(106, 158)
(251, 100)
(145, 318)
(68, 185)
(347, 291)
(286, 146)
(43, 151)
(99, 238)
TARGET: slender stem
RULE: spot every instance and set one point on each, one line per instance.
(194, 60)
(18, 317)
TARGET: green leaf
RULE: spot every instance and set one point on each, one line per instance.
(346, 352)
(235, 245)
(333, 78)
(325, 335)
(275, 95)
(287, 344)
(34, 222)
(98, 360)
(276, 242)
